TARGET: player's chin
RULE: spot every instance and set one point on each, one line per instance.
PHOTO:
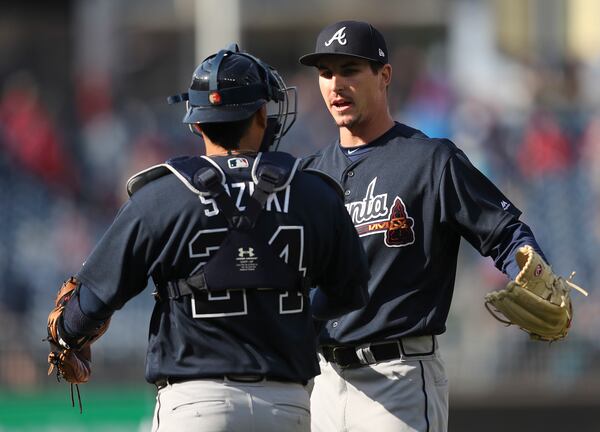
(344, 120)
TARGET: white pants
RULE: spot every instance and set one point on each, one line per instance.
(223, 405)
(409, 394)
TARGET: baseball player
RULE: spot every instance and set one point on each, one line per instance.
(411, 199)
(232, 241)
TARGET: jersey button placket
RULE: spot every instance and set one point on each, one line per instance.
(349, 174)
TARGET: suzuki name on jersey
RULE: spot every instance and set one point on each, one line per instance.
(277, 202)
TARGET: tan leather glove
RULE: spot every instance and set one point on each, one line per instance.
(537, 300)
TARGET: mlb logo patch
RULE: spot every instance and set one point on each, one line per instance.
(234, 163)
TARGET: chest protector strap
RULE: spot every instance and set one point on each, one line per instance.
(244, 260)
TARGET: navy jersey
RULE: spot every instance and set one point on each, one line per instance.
(411, 199)
(168, 232)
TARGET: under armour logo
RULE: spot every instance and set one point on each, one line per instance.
(339, 36)
(246, 252)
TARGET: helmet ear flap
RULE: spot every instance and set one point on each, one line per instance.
(271, 134)
(195, 128)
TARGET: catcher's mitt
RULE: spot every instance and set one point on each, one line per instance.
(70, 357)
(537, 300)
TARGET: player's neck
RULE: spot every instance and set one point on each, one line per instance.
(365, 132)
(248, 144)
(216, 150)
(233, 153)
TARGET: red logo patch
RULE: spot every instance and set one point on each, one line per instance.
(214, 97)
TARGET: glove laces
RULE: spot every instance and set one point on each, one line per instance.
(55, 364)
(572, 285)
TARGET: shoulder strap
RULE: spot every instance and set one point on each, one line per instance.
(186, 167)
(271, 172)
(284, 162)
(207, 179)
(137, 181)
(183, 168)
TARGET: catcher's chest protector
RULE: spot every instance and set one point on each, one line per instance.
(244, 259)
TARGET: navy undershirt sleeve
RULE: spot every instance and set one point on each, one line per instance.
(91, 305)
(84, 313)
(517, 234)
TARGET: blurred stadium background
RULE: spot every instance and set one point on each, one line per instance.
(83, 87)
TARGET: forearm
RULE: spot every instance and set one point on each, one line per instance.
(84, 314)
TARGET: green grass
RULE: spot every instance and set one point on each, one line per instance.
(104, 409)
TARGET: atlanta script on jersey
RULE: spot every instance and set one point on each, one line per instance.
(373, 215)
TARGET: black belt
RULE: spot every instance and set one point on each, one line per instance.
(240, 378)
(351, 356)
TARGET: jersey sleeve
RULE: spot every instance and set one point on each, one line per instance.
(515, 235)
(118, 267)
(472, 205)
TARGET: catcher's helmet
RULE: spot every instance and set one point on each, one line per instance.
(230, 86)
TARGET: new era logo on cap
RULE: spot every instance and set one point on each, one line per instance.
(351, 38)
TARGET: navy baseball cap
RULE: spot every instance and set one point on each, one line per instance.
(350, 38)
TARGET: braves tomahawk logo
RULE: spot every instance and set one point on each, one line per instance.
(339, 36)
(371, 215)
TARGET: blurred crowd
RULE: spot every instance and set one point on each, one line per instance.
(62, 180)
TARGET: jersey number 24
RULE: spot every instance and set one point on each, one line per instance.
(288, 244)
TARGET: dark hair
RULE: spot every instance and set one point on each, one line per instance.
(227, 134)
(375, 66)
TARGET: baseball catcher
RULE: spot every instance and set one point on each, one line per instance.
(233, 239)
(70, 357)
(537, 300)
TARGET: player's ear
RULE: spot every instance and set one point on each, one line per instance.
(386, 74)
(260, 117)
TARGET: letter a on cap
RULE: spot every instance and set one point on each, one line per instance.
(339, 36)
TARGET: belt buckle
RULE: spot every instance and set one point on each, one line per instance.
(336, 359)
(364, 354)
